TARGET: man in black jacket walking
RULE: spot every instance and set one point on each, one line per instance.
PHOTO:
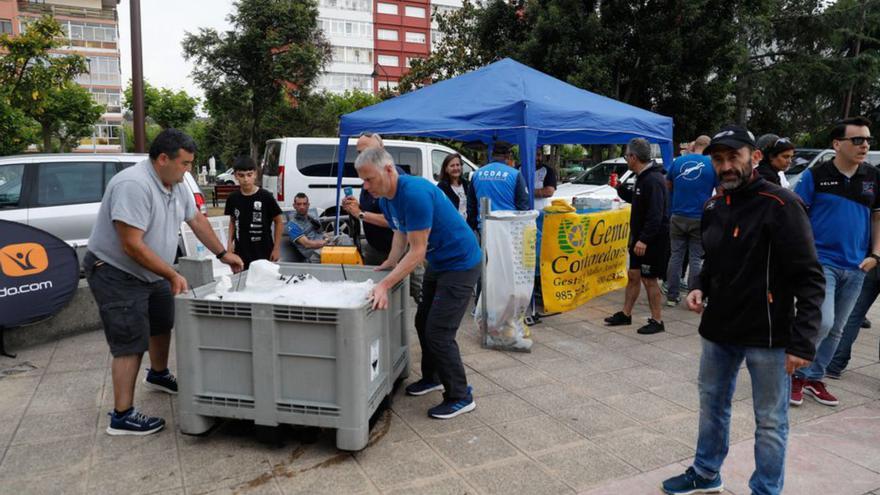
(649, 235)
(760, 265)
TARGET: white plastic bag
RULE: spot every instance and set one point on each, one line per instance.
(510, 238)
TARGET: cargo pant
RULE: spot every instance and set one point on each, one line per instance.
(445, 298)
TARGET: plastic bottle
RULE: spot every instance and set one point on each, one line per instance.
(200, 250)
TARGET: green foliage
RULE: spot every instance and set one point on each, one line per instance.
(272, 55)
(38, 86)
(16, 129)
(166, 107)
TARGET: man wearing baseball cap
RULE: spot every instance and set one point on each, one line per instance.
(760, 266)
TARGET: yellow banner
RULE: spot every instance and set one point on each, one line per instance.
(582, 256)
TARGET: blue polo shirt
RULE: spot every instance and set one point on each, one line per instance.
(419, 205)
(840, 210)
(693, 180)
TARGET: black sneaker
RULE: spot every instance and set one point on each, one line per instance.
(161, 381)
(133, 423)
(422, 387)
(652, 327)
(618, 319)
(866, 323)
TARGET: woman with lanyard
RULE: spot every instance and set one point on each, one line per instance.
(778, 153)
(453, 184)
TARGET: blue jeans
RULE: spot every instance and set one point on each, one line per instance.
(869, 293)
(842, 288)
(771, 387)
(685, 238)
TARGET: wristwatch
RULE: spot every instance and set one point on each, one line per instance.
(221, 254)
(875, 256)
(362, 215)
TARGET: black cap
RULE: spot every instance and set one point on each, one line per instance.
(501, 148)
(731, 136)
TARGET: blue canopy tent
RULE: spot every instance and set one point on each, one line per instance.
(511, 102)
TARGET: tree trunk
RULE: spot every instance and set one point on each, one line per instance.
(742, 99)
(47, 138)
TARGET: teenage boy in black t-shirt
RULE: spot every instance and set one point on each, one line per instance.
(252, 211)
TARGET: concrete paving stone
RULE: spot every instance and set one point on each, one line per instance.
(684, 394)
(645, 483)
(594, 419)
(224, 458)
(262, 484)
(425, 426)
(647, 377)
(585, 465)
(482, 385)
(70, 453)
(468, 344)
(553, 397)
(685, 427)
(503, 407)
(540, 353)
(59, 482)
(449, 485)
(390, 465)
(568, 370)
(110, 447)
(520, 477)
(519, 377)
(40, 428)
(17, 387)
(489, 360)
(576, 348)
(682, 329)
(645, 449)
(602, 385)
(808, 470)
(135, 474)
(689, 346)
(644, 353)
(811, 409)
(614, 340)
(607, 360)
(537, 433)
(340, 475)
(62, 392)
(687, 369)
(851, 434)
(858, 383)
(547, 333)
(69, 359)
(391, 428)
(872, 370)
(644, 406)
(31, 361)
(580, 329)
(472, 448)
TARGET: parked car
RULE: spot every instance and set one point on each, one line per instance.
(806, 158)
(226, 178)
(309, 165)
(61, 193)
(593, 182)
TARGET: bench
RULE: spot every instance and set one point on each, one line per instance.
(222, 191)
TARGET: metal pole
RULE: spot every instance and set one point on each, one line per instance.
(137, 78)
(485, 208)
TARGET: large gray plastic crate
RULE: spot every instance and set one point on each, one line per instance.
(278, 364)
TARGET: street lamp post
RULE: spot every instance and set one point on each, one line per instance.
(137, 78)
(375, 74)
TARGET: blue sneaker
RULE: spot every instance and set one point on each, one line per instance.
(422, 387)
(133, 423)
(161, 381)
(451, 408)
(691, 482)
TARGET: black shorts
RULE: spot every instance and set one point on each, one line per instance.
(653, 263)
(131, 310)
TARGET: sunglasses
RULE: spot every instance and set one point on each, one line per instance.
(858, 140)
(783, 141)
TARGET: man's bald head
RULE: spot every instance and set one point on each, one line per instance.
(369, 140)
(700, 144)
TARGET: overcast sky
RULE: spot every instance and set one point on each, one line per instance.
(163, 24)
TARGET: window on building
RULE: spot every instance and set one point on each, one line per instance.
(415, 12)
(352, 55)
(5, 26)
(415, 38)
(110, 98)
(387, 34)
(351, 29)
(409, 61)
(386, 8)
(102, 70)
(436, 37)
(357, 5)
(389, 60)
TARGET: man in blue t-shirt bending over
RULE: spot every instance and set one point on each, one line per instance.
(424, 219)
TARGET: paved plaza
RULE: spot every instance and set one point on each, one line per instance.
(592, 410)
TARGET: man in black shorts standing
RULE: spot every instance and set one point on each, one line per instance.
(649, 235)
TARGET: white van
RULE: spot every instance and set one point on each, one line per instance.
(309, 165)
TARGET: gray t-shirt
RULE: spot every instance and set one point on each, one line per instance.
(137, 197)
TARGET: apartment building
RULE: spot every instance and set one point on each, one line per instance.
(374, 41)
(91, 29)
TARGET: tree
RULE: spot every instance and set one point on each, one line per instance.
(69, 114)
(16, 129)
(166, 107)
(38, 82)
(274, 52)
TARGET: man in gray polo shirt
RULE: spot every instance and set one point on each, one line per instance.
(128, 267)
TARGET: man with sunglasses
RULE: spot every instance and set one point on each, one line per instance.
(843, 199)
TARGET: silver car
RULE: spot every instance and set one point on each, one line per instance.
(61, 193)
